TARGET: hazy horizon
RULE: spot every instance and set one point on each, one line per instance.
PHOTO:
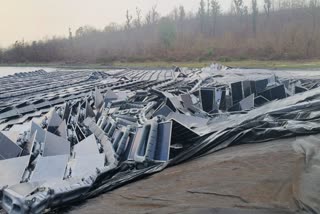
(37, 19)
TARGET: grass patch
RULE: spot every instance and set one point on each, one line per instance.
(241, 64)
(161, 64)
(310, 64)
(275, 64)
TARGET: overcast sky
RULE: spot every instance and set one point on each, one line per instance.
(38, 19)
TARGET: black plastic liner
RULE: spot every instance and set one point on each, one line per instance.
(295, 116)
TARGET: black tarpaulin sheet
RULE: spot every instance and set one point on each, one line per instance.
(307, 188)
(293, 117)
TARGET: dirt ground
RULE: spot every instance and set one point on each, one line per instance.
(256, 178)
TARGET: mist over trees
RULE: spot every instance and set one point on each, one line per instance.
(280, 29)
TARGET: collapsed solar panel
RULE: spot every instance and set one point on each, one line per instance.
(189, 121)
(87, 146)
(62, 130)
(145, 146)
(12, 170)
(208, 98)
(163, 110)
(237, 94)
(40, 133)
(57, 169)
(274, 93)
(12, 135)
(300, 89)
(105, 125)
(54, 121)
(153, 141)
(55, 145)
(247, 103)
(182, 135)
(8, 149)
(187, 100)
(98, 99)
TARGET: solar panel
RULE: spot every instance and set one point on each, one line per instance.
(99, 134)
(135, 143)
(236, 90)
(87, 146)
(110, 96)
(25, 108)
(187, 101)
(260, 100)
(42, 103)
(89, 110)
(62, 130)
(299, 89)
(182, 134)
(8, 112)
(46, 171)
(162, 151)
(54, 121)
(223, 101)
(208, 99)
(12, 135)
(173, 103)
(163, 111)
(67, 111)
(98, 98)
(8, 149)
(87, 164)
(12, 170)
(247, 103)
(277, 92)
(41, 134)
(189, 121)
(261, 85)
(235, 107)
(55, 145)
(246, 88)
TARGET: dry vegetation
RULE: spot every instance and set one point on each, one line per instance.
(281, 30)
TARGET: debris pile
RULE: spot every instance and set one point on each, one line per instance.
(67, 136)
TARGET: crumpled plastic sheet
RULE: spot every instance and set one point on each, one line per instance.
(298, 115)
(307, 190)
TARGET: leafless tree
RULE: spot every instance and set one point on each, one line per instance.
(314, 6)
(215, 11)
(202, 15)
(148, 18)
(239, 6)
(70, 34)
(154, 14)
(182, 13)
(267, 7)
(137, 21)
(292, 32)
(255, 14)
(128, 20)
(175, 14)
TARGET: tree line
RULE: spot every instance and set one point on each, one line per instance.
(281, 29)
